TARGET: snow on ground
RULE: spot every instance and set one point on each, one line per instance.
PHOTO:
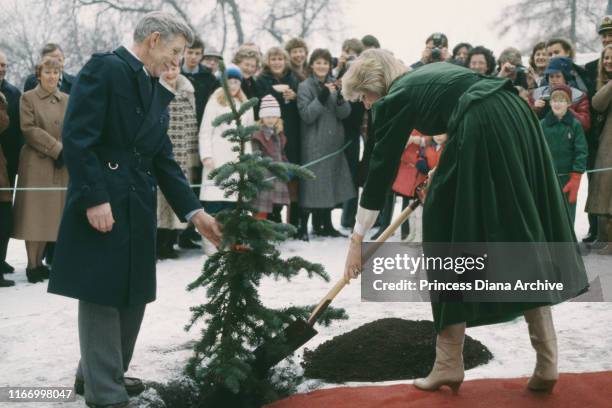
(39, 342)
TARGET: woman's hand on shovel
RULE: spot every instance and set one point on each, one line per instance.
(352, 266)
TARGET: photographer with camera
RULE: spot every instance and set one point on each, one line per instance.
(436, 50)
(510, 65)
(351, 49)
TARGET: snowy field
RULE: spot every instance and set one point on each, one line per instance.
(39, 343)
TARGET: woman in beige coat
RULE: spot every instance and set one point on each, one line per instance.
(38, 213)
(599, 201)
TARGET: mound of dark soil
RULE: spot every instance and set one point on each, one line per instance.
(383, 350)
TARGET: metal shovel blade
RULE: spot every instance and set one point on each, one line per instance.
(282, 346)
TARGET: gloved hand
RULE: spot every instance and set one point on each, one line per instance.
(421, 166)
(339, 97)
(572, 187)
(59, 162)
(324, 95)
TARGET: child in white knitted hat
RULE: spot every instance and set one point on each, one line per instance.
(270, 141)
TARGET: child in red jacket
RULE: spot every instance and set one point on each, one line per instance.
(408, 178)
(430, 156)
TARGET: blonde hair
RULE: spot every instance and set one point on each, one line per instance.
(244, 53)
(48, 62)
(373, 71)
(222, 100)
(274, 52)
(602, 74)
(278, 126)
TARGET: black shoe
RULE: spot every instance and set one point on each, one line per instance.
(331, 232)
(597, 245)
(319, 231)
(589, 238)
(167, 253)
(6, 268)
(6, 283)
(44, 271)
(33, 275)
(186, 243)
(134, 386)
(302, 233)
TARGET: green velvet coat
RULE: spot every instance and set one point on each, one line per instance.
(495, 181)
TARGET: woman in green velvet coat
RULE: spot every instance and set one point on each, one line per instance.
(495, 182)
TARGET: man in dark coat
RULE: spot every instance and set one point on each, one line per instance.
(5, 200)
(66, 80)
(597, 119)
(117, 151)
(11, 141)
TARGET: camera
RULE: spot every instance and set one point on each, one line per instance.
(347, 65)
(436, 51)
(519, 68)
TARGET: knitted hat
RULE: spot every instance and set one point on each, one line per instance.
(606, 24)
(233, 72)
(562, 88)
(269, 107)
(560, 64)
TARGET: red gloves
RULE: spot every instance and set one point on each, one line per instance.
(572, 187)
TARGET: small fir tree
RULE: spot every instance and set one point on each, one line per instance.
(235, 320)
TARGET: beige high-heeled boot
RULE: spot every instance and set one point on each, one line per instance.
(544, 341)
(448, 367)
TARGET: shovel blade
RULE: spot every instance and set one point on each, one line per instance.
(280, 347)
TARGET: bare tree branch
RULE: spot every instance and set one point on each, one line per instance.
(542, 19)
(116, 6)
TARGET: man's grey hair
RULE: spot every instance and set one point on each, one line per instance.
(168, 25)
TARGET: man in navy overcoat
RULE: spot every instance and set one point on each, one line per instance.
(117, 154)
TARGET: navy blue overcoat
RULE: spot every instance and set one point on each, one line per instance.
(116, 150)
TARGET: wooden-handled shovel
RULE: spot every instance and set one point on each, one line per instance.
(299, 332)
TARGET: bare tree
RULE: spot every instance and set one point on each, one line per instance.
(305, 15)
(539, 20)
(26, 27)
(83, 27)
(279, 19)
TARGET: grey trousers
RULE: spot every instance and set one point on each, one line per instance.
(107, 336)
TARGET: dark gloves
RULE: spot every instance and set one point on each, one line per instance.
(59, 162)
(339, 97)
(421, 166)
(324, 95)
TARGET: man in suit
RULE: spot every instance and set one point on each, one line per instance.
(65, 81)
(117, 152)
